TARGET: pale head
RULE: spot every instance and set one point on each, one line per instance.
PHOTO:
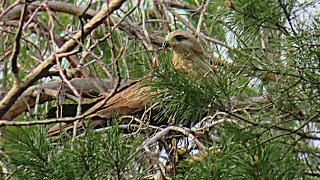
(188, 54)
(183, 42)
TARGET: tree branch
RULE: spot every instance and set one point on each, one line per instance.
(17, 90)
(89, 87)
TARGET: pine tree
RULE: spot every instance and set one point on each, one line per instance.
(255, 116)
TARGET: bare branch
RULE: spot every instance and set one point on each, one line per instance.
(16, 91)
(16, 47)
(89, 87)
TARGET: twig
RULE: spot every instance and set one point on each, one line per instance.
(74, 90)
(182, 20)
(289, 130)
(9, 8)
(36, 107)
(284, 8)
(16, 47)
(202, 16)
(72, 9)
(89, 87)
(24, 39)
(165, 131)
(59, 120)
(149, 47)
(16, 91)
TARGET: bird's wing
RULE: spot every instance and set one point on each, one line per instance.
(128, 100)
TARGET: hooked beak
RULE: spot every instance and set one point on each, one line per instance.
(165, 44)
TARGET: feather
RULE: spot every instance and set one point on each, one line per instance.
(188, 56)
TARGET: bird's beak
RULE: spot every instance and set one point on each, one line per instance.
(165, 44)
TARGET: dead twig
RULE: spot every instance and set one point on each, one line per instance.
(16, 46)
(16, 91)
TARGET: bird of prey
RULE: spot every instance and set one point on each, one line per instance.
(188, 56)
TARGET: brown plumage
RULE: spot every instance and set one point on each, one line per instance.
(188, 56)
(129, 100)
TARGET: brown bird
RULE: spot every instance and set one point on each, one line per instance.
(188, 56)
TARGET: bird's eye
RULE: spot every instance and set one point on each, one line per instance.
(180, 38)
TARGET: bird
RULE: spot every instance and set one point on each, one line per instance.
(188, 57)
(188, 53)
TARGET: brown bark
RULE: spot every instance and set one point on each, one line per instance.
(89, 87)
(32, 77)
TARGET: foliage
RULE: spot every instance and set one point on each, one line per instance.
(186, 100)
(256, 115)
(32, 155)
(245, 156)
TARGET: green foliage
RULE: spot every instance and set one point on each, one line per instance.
(178, 95)
(243, 156)
(185, 100)
(273, 138)
(32, 155)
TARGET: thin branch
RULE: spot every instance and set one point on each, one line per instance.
(126, 26)
(32, 77)
(16, 47)
(284, 9)
(267, 126)
(202, 16)
(9, 9)
(165, 131)
(89, 87)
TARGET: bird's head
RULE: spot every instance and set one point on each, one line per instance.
(188, 54)
(182, 42)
